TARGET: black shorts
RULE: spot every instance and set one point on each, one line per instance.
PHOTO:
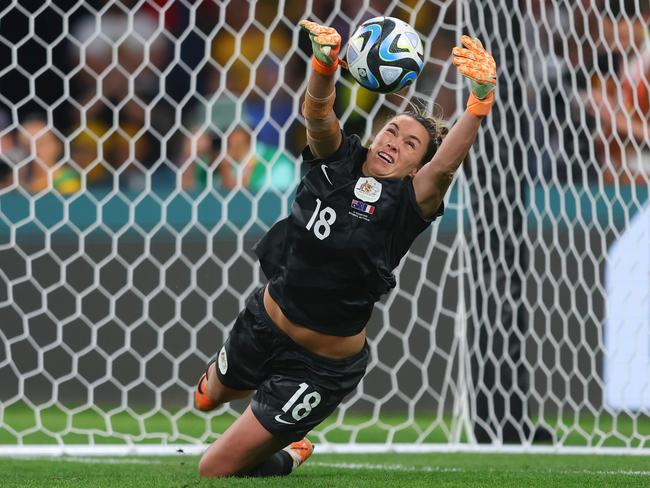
(296, 389)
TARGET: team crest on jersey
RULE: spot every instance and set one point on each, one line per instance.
(223, 360)
(367, 189)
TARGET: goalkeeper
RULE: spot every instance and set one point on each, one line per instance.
(299, 346)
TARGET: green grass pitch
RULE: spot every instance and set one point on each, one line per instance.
(336, 470)
(21, 425)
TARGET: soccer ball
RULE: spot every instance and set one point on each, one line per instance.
(385, 54)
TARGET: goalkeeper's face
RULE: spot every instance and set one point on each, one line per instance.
(398, 149)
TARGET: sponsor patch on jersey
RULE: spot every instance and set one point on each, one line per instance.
(363, 207)
(223, 360)
(367, 189)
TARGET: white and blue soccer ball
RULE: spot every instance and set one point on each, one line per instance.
(385, 54)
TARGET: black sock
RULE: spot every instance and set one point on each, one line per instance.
(280, 464)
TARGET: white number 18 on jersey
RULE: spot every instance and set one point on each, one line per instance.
(322, 226)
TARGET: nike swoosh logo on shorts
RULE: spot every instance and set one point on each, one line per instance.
(277, 417)
(323, 168)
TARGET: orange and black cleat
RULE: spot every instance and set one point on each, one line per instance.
(201, 399)
(300, 451)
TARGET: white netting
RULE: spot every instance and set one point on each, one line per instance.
(146, 145)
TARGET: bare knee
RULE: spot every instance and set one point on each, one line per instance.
(217, 463)
(210, 469)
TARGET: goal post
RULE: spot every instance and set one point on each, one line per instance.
(145, 146)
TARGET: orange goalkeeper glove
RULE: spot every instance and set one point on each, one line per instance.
(326, 45)
(479, 66)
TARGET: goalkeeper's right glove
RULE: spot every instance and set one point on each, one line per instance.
(479, 66)
(326, 44)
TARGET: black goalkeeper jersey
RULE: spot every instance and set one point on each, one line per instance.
(333, 257)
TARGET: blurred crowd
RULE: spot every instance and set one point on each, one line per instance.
(589, 85)
(206, 94)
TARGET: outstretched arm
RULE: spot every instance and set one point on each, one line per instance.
(433, 180)
(323, 128)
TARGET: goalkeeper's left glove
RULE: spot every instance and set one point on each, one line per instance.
(479, 66)
(326, 45)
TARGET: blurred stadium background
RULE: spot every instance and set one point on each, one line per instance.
(146, 145)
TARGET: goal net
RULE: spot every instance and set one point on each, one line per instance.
(147, 145)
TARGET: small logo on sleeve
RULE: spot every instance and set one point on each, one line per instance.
(223, 360)
(362, 207)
